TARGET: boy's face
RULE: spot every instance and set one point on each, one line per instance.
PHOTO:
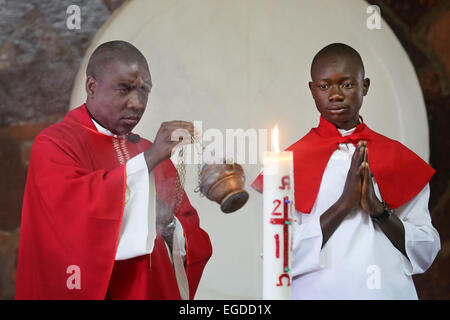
(338, 89)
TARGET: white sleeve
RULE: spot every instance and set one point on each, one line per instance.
(307, 244)
(422, 242)
(181, 240)
(180, 236)
(138, 228)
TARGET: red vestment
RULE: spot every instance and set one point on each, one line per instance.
(71, 216)
(399, 172)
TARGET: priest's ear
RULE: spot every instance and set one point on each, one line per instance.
(91, 86)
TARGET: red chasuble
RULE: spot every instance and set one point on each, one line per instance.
(399, 172)
(71, 216)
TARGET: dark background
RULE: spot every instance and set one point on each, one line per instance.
(40, 56)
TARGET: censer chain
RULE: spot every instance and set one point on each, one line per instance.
(181, 176)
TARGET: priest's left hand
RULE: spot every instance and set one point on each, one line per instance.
(369, 201)
(164, 216)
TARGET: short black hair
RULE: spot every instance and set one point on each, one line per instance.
(109, 52)
(338, 49)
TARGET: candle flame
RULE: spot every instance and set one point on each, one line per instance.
(275, 139)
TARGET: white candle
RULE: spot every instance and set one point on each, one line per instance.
(277, 228)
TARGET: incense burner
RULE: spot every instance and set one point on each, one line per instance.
(224, 184)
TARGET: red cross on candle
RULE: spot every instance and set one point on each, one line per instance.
(285, 221)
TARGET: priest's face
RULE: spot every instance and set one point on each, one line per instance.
(118, 99)
(338, 89)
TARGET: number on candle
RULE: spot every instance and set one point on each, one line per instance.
(278, 204)
(277, 246)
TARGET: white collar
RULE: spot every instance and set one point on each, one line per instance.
(348, 132)
(102, 129)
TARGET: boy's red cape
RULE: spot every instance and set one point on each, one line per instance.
(399, 172)
(71, 216)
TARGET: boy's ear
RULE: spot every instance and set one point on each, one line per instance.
(310, 84)
(366, 85)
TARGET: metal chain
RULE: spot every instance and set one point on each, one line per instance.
(200, 150)
(181, 176)
(180, 180)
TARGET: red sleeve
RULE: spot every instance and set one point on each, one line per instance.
(71, 217)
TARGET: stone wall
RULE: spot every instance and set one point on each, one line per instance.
(39, 58)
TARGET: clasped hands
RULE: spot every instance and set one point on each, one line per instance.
(359, 190)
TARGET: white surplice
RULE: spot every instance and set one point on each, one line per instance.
(358, 261)
(138, 229)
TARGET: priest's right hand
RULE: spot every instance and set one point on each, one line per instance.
(351, 196)
(169, 135)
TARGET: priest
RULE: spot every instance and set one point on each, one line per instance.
(363, 227)
(104, 216)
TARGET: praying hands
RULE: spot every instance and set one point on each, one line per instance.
(369, 202)
(359, 192)
(359, 195)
